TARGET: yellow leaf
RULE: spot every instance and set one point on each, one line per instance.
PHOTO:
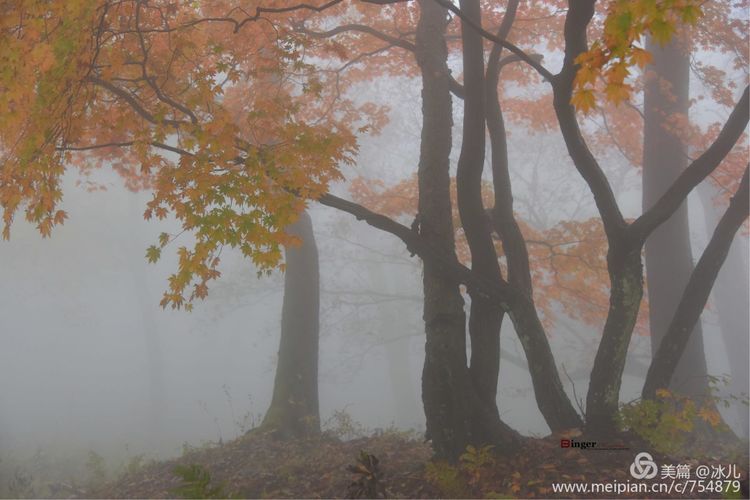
(617, 92)
(584, 100)
(663, 393)
(640, 57)
(710, 415)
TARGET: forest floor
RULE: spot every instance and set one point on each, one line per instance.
(261, 466)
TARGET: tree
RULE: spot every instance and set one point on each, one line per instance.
(696, 293)
(731, 293)
(181, 92)
(294, 409)
(671, 137)
(152, 340)
(126, 82)
(669, 258)
(625, 240)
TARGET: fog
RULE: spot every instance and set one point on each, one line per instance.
(91, 362)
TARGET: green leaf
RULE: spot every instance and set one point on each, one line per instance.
(153, 253)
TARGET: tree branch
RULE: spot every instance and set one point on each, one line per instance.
(579, 15)
(528, 59)
(696, 292)
(159, 145)
(259, 11)
(457, 89)
(361, 28)
(449, 265)
(134, 102)
(694, 174)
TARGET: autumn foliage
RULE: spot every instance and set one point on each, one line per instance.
(237, 116)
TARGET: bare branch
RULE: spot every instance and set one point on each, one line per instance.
(694, 174)
(576, 22)
(696, 292)
(361, 28)
(158, 145)
(134, 102)
(528, 59)
(498, 291)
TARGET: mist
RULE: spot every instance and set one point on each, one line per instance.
(278, 245)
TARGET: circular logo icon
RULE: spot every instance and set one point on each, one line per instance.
(643, 467)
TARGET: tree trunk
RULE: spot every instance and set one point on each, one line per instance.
(444, 376)
(669, 258)
(671, 351)
(156, 392)
(455, 414)
(623, 256)
(485, 317)
(731, 296)
(551, 398)
(294, 410)
(626, 292)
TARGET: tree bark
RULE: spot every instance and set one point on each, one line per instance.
(623, 256)
(485, 318)
(731, 294)
(551, 398)
(457, 411)
(626, 290)
(294, 410)
(669, 257)
(664, 365)
(444, 376)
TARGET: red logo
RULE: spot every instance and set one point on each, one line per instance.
(565, 443)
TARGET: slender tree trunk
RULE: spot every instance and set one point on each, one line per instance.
(551, 398)
(485, 317)
(294, 409)
(623, 256)
(687, 314)
(731, 296)
(669, 258)
(146, 304)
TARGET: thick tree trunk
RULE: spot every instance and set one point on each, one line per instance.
(444, 376)
(731, 294)
(602, 400)
(669, 258)
(456, 415)
(681, 328)
(294, 410)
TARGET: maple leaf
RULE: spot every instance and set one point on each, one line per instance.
(641, 57)
(153, 253)
(584, 100)
(626, 22)
(710, 415)
(617, 92)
